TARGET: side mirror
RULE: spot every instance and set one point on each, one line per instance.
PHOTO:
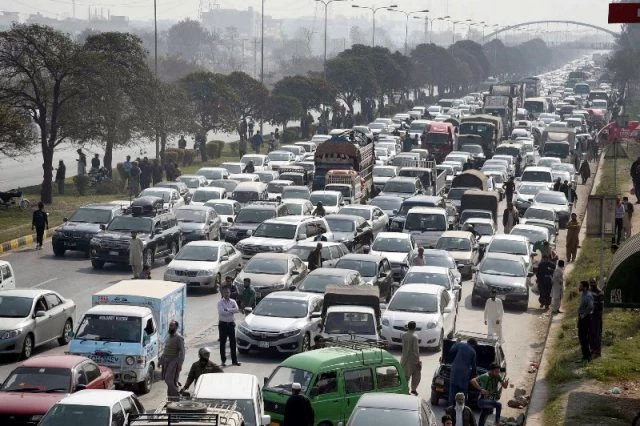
(64, 219)
(230, 219)
(302, 236)
(530, 274)
(292, 288)
(40, 314)
(224, 258)
(248, 310)
(265, 420)
(102, 226)
(315, 315)
(295, 272)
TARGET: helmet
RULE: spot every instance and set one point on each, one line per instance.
(204, 353)
(319, 204)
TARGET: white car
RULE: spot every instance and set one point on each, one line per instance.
(430, 306)
(399, 248)
(233, 166)
(171, 198)
(275, 187)
(512, 244)
(213, 173)
(244, 177)
(372, 214)
(241, 390)
(331, 200)
(202, 195)
(298, 151)
(193, 182)
(279, 159)
(381, 174)
(298, 206)
(436, 275)
(260, 161)
(226, 210)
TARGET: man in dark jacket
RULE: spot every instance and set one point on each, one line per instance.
(460, 413)
(543, 278)
(202, 366)
(61, 173)
(463, 367)
(635, 177)
(315, 257)
(298, 410)
(595, 331)
(39, 222)
(509, 189)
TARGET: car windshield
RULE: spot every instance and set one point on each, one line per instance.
(383, 171)
(453, 244)
(295, 193)
(276, 187)
(381, 152)
(233, 167)
(417, 127)
(556, 149)
(508, 246)
(534, 213)
(15, 307)
(564, 167)
(256, 159)
(387, 203)
(191, 215)
(227, 184)
(220, 208)
(536, 176)
(425, 222)
(279, 156)
(382, 416)
(392, 244)
(470, 148)
(281, 308)
(442, 261)
(245, 406)
(529, 189)
(351, 323)
(198, 253)
(110, 328)
(483, 228)
(266, 266)
(68, 414)
(325, 199)
(438, 138)
(531, 234)
(414, 302)
(404, 209)
(202, 196)
(130, 223)
(245, 196)
(340, 225)
(276, 230)
(150, 192)
(317, 283)
(282, 379)
(255, 215)
(553, 197)
(418, 277)
(88, 215)
(38, 379)
(363, 213)
(191, 182)
(397, 186)
(365, 267)
(508, 150)
(456, 193)
(211, 174)
(504, 267)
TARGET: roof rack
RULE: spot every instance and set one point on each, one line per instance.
(174, 419)
(458, 335)
(355, 344)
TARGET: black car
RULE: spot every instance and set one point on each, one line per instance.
(77, 231)
(250, 216)
(488, 351)
(374, 269)
(158, 230)
(353, 231)
(397, 223)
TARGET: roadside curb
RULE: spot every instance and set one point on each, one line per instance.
(23, 241)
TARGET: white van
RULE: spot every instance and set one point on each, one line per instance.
(7, 278)
(246, 192)
(243, 390)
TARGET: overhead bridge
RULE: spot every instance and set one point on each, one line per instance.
(526, 24)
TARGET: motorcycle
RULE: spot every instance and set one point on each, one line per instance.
(7, 199)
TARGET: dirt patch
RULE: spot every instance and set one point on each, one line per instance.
(593, 403)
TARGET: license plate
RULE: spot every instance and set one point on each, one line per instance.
(104, 359)
(70, 244)
(263, 344)
(113, 253)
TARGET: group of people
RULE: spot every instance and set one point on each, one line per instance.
(623, 216)
(142, 173)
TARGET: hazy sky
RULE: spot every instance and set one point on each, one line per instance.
(492, 11)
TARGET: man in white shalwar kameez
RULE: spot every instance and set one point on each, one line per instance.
(493, 312)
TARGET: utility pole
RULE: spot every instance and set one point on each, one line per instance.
(155, 64)
(255, 57)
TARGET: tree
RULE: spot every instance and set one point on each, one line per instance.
(311, 92)
(251, 97)
(16, 131)
(115, 102)
(211, 98)
(38, 68)
(353, 79)
(188, 39)
(282, 109)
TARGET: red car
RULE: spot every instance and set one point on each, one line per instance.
(38, 383)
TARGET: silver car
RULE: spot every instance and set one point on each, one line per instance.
(286, 321)
(32, 317)
(372, 214)
(203, 264)
(198, 223)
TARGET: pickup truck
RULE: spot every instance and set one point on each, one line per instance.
(351, 313)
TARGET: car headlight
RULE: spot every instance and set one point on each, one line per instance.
(431, 324)
(10, 334)
(170, 272)
(130, 360)
(95, 242)
(290, 333)
(244, 329)
(385, 322)
(208, 273)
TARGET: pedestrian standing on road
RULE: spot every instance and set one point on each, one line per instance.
(573, 234)
(509, 189)
(493, 313)
(557, 287)
(564, 188)
(256, 141)
(248, 299)
(40, 222)
(584, 320)
(556, 184)
(276, 135)
(509, 218)
(635, 178)
(461, 414)
(585, 171)
(407, 143)
(620, 214)
(61, 173)
(134, 179)
(626, 223)
(82, 163)
(202, 366)
(298, 410)
(318, 342)
(463, 367)
(543, 279)
(489, 386)
(595, 333)
(227, 308)
(136, 256)
(410, 359)
(419, 260)
(314, 259)
(172, 359)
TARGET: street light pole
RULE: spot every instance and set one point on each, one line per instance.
(406, 25)
(155, 64)
(262, 58)
(373, 13)
(326, 4)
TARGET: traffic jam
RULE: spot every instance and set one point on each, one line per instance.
(331, 250)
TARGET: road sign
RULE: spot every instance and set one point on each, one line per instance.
(624, 13)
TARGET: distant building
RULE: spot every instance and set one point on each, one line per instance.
(218, 19)
(7, 19)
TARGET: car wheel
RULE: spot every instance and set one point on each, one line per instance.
(27, 347)
(434, 398)
(306, 343)
(149, 257)
(145, 386)
(216, 284)
(476, 301)
(97, 264)
(66, 331)
(58, 251)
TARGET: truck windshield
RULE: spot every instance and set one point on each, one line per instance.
(110, 328)
(438, 138)
(556, 149)
(340, 225)
(358, 323)
(282, 379)
(130, 223)
(91, 216)
(343, 189)
(534, 106)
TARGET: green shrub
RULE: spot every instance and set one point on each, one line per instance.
(233, 147)
(179, 154)
(171, 155)
(107, 188)
(81, 183)
(290, 134)
(189, 157)
(212, 148)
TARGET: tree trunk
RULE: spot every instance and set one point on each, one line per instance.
(163, 146)
(46, 193)
(108, 152)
